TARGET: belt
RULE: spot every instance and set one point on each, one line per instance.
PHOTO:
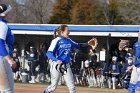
(115, 73)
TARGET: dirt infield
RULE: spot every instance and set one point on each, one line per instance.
(38, 88)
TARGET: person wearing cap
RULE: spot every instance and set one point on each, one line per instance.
(134, 85)
(115, 70)
(6, 43)
(32, 58)
(126, 72)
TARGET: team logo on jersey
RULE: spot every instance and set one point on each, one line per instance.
(14, 54)
(114, 67)
(65, 46)
(32, 55)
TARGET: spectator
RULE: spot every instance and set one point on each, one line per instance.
(115, 70)
(32, 57)
(15, 55)
(126, 72)
(43, 64)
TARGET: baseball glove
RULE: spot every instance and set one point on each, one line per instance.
(93, 43)
(61, 68)
(123, 44)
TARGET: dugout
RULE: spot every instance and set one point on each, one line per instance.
(108, 36)
(39, 33)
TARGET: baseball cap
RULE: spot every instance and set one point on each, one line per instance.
(114, 58)
(4, 9)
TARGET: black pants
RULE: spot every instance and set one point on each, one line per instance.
(43, 66)
(32, 66)
(17, 67)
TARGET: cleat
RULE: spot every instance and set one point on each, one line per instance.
(46, 91)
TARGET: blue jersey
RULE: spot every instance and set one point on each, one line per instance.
(6, 38)
(115, 67)
(60, 49)
(137, 54)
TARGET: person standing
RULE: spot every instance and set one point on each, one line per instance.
(126, 72)
(6, 43)
(60, 52)
(32, 57)
(61, 46)
(43, 64)
(15, 55)
(134, 85)
(115, 70)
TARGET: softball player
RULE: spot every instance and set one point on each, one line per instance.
(59, 52)
(135, 76)
(6, 42)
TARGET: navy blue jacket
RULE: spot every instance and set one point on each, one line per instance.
(115, 67)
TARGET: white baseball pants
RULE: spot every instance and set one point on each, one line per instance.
(55, 76)
(6, 77)
(135, 75)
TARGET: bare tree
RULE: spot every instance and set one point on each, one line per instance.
(16, 15)
(105, 10)
(38, 11)
(30, 11)
(109, 9)
(130, 10)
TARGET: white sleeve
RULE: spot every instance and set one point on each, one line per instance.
(53, 44)
(3, 30)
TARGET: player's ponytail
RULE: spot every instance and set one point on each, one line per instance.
(60, 29)
(55, 33)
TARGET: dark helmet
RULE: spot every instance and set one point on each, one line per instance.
(4, 9)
